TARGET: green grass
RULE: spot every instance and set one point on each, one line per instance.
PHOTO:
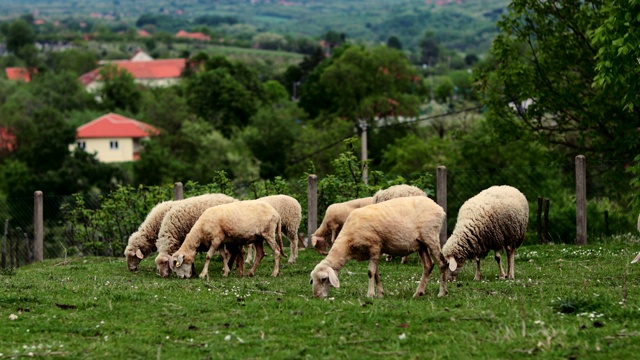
(566, 302)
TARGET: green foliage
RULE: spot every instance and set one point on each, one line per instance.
(18, 35)
(618, 45)
(73, 60)
(118, 90)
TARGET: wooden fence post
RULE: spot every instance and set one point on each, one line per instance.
(539, 219)
(581, 200)
(312, 206)
(178, 191)
(38, 227)
(441, 196)
(27, 249)
(545, 228)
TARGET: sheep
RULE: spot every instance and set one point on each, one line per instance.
(397, 191)
(334, 218)
(398, 227)
(494, 219)
(177, 223)
(393, 192)
(637, 256)
(143, 241)
(236, 224)
(290, 215)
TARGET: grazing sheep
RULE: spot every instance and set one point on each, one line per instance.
(495, 219)
(290, 215)
(637, 256)
(397, 191)
(236, 224)
(393, 192)
(143, 241)
(177, 223)
(397, 227)
(334, 218)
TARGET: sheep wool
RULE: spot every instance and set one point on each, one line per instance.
(637, 258)
(397, 191)
(398, 227)
(334, 218)
(178, 222)
(143, 241)
(290, 216)
(495, 219)
(234, 224)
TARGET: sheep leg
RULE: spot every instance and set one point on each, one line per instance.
(251, 251)
(205, 269)
(434, 250)
(497, 258)
(404, 260)
(240, 261)
(477, 276)
(511, 255)
(427, 267)
(374, 279)
(259, 255)
(276, 254)
(293, 240)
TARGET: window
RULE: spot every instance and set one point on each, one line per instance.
(81, 144)
(113, 145)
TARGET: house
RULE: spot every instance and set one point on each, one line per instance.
(113, 137)
(194, 36)
(19, 73)
(144, 69)
(7, 141)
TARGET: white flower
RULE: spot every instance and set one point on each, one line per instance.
(13, 317)
(402, 336)
(227, 338)
(240, 340)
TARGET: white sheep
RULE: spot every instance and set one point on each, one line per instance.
(177, 223)
(143, 241)
(236, 224)
(495, 219)
(290, 215)
(637, 256)
(393, 192)
(397, 227)
(397, 191)
(334, 219)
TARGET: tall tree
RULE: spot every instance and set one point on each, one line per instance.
(541, 77)
(119, 90)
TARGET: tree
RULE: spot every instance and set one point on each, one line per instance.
(394, 42)
(618, 47)
(119, 90)
(73, 60)
(430, 49)
(544, 58)
(61, 91)
(18, 34)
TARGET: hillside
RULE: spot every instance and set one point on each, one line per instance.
(466, 25)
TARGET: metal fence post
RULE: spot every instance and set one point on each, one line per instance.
(312, 206)
(581, 200)
(441, 197)
(178, 191)
(38, 227)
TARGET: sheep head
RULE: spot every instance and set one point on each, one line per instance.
(182, 265)
(133, 256)
(322, 278)
(454, 267)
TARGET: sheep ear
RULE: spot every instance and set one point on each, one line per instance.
(139, 254)
(636, 259)
(314, 241)
(333, 278)
(170, 261)
(180, 260)
(310, 281)
(453, 265)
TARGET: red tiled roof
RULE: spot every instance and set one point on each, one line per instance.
(18, 73)
(195, 36)
(143, 33)
(7, 139)
(156, 69)
(115, 126)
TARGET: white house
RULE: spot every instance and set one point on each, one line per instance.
(114, 138)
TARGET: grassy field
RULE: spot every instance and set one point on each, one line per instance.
(566, 302)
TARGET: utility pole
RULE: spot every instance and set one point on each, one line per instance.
(365, 172)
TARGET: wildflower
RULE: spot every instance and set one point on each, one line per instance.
(402, 336)
(227, 338)
(13, 317)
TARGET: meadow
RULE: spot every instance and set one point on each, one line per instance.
(566, 302)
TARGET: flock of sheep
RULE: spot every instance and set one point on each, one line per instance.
(396, 221)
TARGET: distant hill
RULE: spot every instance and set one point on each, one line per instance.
(466, 25)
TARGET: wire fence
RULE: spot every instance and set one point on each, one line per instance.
(101, 224)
